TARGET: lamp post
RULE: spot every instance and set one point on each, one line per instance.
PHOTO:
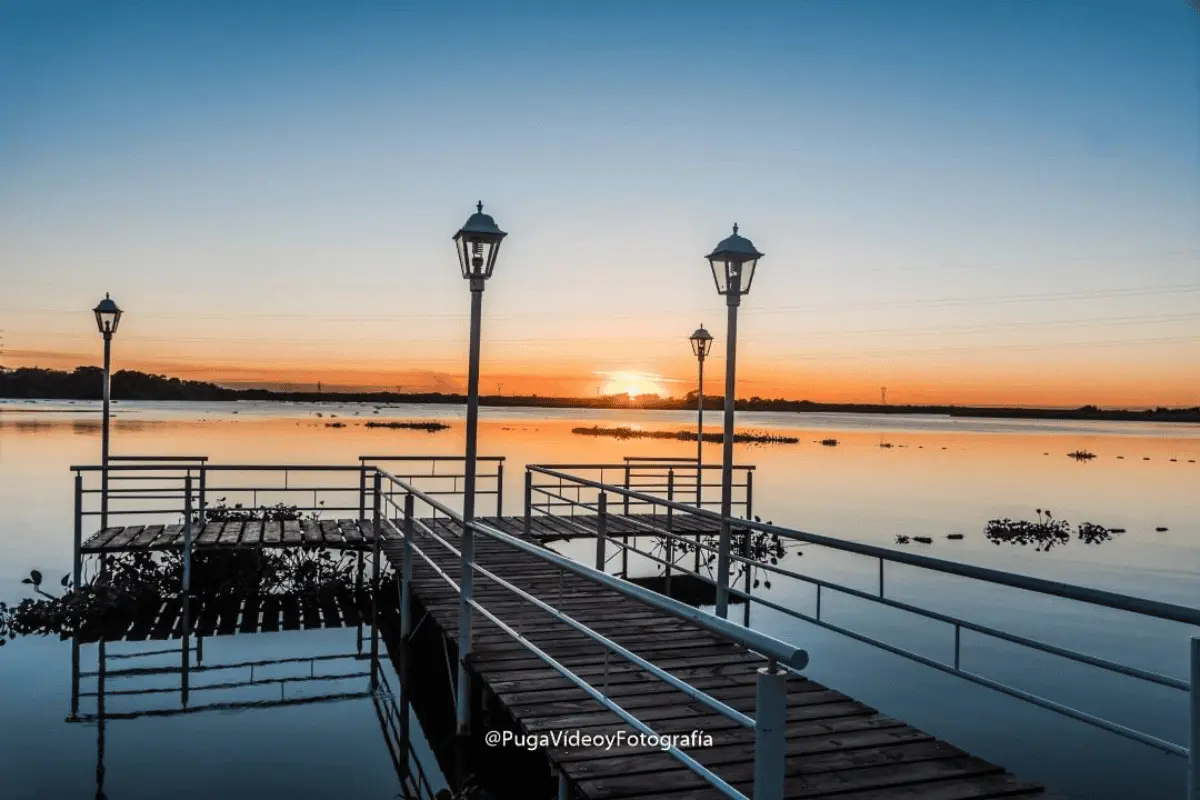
(108, 316)
(701, 346)
(477, 242)
(733, 263)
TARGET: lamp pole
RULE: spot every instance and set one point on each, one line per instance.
(701, 345)
(733, 264)
(108, 316)
(477, 242)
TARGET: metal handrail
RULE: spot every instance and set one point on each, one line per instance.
(1135, 605)
(776, 651)
(1125, 603)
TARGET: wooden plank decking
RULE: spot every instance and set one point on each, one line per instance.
(836, 746)
(356, 534)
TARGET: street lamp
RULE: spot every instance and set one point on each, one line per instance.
(701, 346)
(108, 316)
(478, 242)
(733, 263)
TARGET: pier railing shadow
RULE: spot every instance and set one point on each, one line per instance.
(576, 490)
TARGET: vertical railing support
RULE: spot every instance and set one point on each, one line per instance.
(601, 529)
(528, 502)
(627, 484)
(750, 494)
(500, 489)
(202, 510)
(670, 531)
(406, 572)
(747, 574)
(186, 590)
(770, 729)
(1194, 739)
(76, 576)
(377, 527)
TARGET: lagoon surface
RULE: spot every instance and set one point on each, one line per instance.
(940, 476)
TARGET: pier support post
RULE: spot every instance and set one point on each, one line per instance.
(1194, 738)
(528, 503)
(76, 576)
(202, 506)
(601, 529)
(376, 524)
(627, 484)
(670, 530)
(770, 728)
(500, 489)
(406, 571)
(186, 590)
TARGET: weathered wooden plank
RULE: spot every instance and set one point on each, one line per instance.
(231, 534)
(272, 532)
(143, 623)
(348, 608)
(206, 616)
(290, 608)
(230, 608)
(100, 539)
(124, 537)
(251, 533)
(312, 531)
(331, 532)
(292, 532)
(329, 611)
(312, 611)
(144, 539)
(211, 533)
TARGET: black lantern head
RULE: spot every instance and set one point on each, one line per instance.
(733, 262)
(478, 241)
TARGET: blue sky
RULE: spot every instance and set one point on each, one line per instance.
(953, 196)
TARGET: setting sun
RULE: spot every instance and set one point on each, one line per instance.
(632, 384)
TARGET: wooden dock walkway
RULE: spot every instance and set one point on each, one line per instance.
(358, 534)
(836, 746)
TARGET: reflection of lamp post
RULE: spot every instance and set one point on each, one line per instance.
(733, 262)
(477, 242)
(108, 316)
(701, 346)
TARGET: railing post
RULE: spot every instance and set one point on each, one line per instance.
(750, 494)
(362, 490)
(500, 489)
(186, 627)
(406, 577)
(376, 526)
(747, 575)
(770, 729)
(465, 595)
(202, 515)
(77, 568)
(601, 529)
(627, 488)
(528, 502)
(670, 531)
(1194, 738)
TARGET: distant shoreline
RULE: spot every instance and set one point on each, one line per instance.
(84, 384)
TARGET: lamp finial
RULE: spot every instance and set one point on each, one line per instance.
(735, 229)
(479, 206)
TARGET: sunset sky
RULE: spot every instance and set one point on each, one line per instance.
(970, 202)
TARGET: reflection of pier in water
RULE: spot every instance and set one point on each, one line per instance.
(119, 682)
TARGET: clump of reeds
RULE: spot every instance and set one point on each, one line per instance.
(829, 442)
(1081, 455)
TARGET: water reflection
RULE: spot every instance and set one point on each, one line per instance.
(133, 682)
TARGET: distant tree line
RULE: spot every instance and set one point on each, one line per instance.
(84, 383)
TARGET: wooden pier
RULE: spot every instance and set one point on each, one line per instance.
(836, 746)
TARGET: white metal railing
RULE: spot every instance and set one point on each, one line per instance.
(419, 539)
(663, 531)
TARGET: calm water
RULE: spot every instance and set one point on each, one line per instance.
(940, 476)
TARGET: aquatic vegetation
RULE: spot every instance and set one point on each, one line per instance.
(761, 547)
(954, 536)
(902, 539)
(280, 512)
(923, 539)
(829, 442)
(1046, 533)
(430, 427)
(129, 584)
(335, 424)
(1161, 529)
(1081, 455)
(625, 432)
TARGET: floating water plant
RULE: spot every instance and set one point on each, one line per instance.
(1081, 455)
(923, 539)
(954, 536)
(431, 427)
(1046, 533)
(829, 442)
(335, 424)
(625, 432)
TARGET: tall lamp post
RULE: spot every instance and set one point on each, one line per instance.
(701, 346)
(477, 242)
(733, 263)
(108, 316)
